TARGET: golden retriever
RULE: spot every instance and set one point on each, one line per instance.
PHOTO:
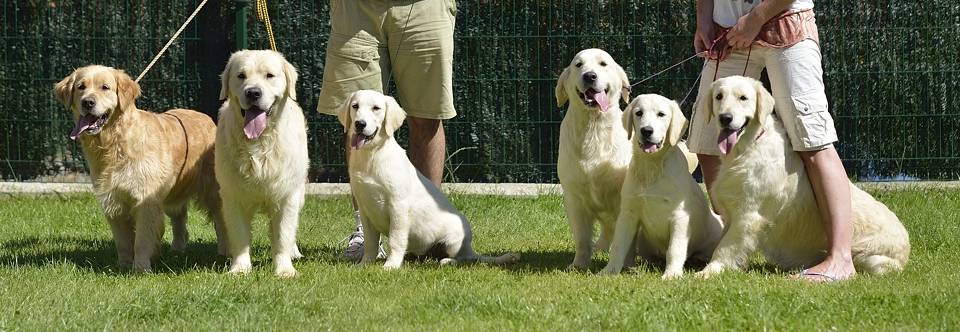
(594, 149)
(660, 199)
(143, 164)
(763, 193)
(394, 198)
(261, 155)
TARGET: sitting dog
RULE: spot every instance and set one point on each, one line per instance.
(763, 193)
(659, 196)
(594, 148)
(261, 155)
(143, 164)
(394, 198)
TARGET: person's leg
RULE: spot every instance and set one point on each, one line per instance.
(428, 147)
(796, 78)
(356, 59)
(421, 50)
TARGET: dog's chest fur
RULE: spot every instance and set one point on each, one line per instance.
(594, 155)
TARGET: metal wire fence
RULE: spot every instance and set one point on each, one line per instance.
(889, 69)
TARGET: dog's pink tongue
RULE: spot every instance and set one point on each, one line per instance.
(650, 147)
(83, 123)
(255, 122)
(601, 98)
(726, 140)
(357, 141)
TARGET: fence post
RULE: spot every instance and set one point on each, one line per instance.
(241, 29)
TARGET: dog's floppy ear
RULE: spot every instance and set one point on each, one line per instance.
(705, 102)
(677, 124)
(63, 90)
(765, 102)
(561, 91)
(343, 114)
(394, 116)
(127, 90)
(291, 73)
(225, 80)
(624, 83)
(627, 118)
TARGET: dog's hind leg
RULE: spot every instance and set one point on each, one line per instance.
(607, 231)
(210, 201)
(148, 233)
(178, 222)
(877, 264)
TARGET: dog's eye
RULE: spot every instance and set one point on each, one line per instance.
(376, 108)
(105, 87)
(579, 64)
(743, 97)
(356, 106)
(242, 76)
(269, 75)
(603, 63)
(719, 96)
(661, 114)
(639, 113)
(81, 87)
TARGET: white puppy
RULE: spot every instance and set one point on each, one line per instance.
(594, 148)
(261, 155)
(763, 193)
(659, 196)
(394, 198)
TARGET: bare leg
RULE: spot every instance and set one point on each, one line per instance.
(709, 167)
(428, 147)
(832, 190)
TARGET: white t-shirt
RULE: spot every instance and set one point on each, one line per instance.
(727, 12)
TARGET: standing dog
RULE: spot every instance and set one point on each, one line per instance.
(143, 164)
(261, 155)
(659, 196)
(594, 148)
(394, 198)
(763, 193)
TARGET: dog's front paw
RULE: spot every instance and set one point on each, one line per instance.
(671, 275)
(710, 270)
(610, 270)
(240, 269)
(285, 272)
(448, 261)
(390, 266)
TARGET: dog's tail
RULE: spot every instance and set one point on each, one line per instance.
(508, 258)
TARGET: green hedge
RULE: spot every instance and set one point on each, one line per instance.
(890, 71)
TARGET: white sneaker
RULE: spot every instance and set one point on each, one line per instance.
(354, 250)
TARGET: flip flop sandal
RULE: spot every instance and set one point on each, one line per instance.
(807, 272)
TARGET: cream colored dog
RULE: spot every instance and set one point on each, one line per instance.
(394, 198)
(659, 196)
(594, 148)
(143, 164)
(261, 155)
(763, 193)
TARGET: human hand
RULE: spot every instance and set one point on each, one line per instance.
(742, 34)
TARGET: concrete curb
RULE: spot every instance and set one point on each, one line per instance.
(495, 189)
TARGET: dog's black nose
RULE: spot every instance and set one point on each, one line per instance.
(646, 131)
(360, 124)
(725, 119)
(253, 93)
(88, 104)
(589, 77)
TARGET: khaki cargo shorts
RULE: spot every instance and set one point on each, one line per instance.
(796, 78)
(374, 41)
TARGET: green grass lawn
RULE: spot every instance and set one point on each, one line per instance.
(57, 271)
